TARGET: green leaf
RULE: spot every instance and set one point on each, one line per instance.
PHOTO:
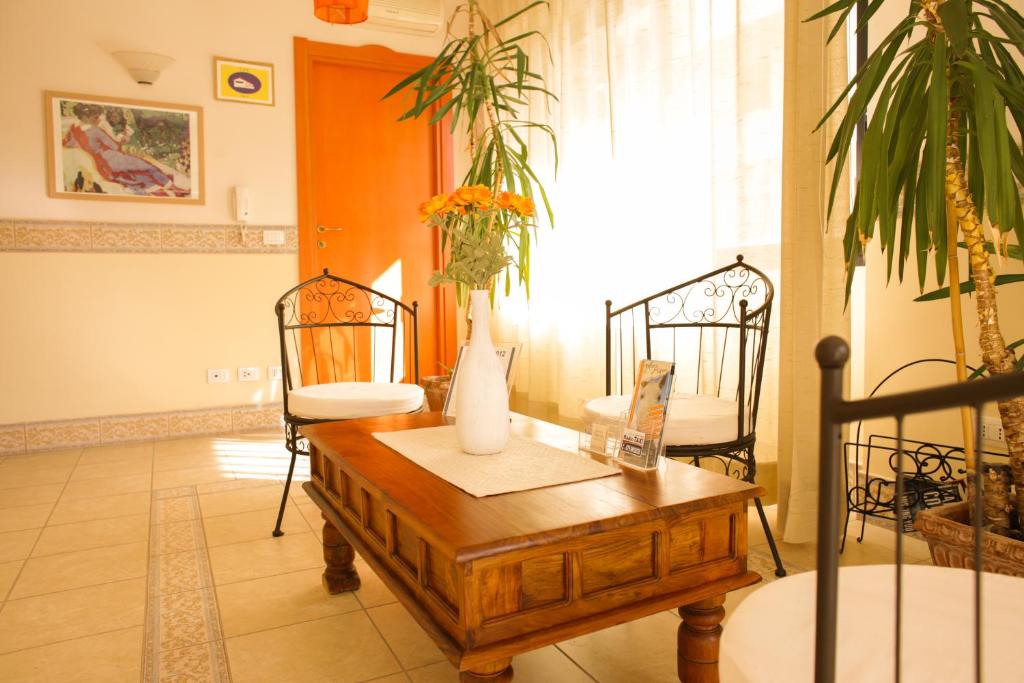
(955, 20)
(934, 170)
(907, 217)
(520, 12)
(873, 74)
(922, 240)
(967, 287)
(839, 6)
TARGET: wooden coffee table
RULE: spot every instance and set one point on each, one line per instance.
(490, 578)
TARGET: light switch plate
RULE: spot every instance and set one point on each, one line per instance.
(274, 373)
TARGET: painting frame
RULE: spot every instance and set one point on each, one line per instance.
(248, 66)
(56, 151)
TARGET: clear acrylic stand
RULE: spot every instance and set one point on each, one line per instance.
(603, 436)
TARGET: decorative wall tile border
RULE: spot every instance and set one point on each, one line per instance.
(83, 236)
(12, 438)
(45, 436)
(94, 431)
(184, 639)
(195, 423)
(6, 235)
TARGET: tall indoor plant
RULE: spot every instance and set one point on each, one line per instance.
(937, 147)
(482, 81)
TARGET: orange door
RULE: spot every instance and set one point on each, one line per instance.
(362, 175)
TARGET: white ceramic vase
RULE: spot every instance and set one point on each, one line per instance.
(481, 399)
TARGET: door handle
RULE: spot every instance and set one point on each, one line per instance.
(322, 228)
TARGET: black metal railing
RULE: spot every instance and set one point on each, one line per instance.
(832, 354)
(934, 475)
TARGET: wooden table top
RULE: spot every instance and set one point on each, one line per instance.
(467, 526)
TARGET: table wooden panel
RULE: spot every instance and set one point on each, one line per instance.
(489, 578)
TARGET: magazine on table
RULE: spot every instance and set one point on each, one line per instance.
(648, 413)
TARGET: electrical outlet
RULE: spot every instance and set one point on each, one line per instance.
(218, 375)
(992, 429)
(248, 374)
(274, 373)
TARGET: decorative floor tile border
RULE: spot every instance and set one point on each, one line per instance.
(83, 236)
(183, 635)
(96, 431)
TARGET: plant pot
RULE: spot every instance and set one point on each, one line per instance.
(436, 388)
(481, 404)
(951, 541)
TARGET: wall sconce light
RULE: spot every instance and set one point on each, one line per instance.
(144, 67)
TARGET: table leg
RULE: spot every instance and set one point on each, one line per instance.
(495, 672)
(340, 574)
(699, 635)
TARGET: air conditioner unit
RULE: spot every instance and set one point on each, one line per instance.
(406, 16)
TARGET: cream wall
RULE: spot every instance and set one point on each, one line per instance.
(897, 330)
(89, 334)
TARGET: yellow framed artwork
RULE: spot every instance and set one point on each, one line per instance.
(238, 80)
(119, 149)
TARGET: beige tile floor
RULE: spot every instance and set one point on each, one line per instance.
(155, 562)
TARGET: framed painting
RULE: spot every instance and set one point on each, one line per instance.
(238, 80)
(116, 149)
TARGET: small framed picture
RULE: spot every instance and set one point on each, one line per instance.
(117, 149)
(239, 80)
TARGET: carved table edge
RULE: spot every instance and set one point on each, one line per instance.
(597, 622)
(448, 645)
(464, 658)
(475, 552)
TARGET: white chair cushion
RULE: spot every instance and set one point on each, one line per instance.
(769, 637)
(349, 400)
(693, 420)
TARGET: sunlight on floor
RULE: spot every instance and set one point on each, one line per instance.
(257, 459)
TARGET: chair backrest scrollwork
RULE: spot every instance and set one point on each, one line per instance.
(334, 330)
(714, 327)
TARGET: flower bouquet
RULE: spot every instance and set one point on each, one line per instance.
(477, 229)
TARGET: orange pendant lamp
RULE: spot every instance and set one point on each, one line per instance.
(341, 11)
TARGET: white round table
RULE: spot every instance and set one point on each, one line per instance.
(770, 636)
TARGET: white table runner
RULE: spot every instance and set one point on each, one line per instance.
(524, 464)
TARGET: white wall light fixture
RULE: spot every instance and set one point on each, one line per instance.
(144, 67)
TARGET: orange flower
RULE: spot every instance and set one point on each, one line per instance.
(527, 207)
(504, 200)
(482, 197)
(436, 205)
(521, 205)
(462, 196)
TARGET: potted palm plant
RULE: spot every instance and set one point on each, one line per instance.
(939, 163)
(481, 80)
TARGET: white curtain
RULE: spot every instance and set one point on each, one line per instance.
(812, 258)
(670, 141)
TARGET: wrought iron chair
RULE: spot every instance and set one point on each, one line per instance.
(715, 329)
(898, 620)
(342, 347)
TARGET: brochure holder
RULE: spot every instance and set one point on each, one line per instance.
(642, 436)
